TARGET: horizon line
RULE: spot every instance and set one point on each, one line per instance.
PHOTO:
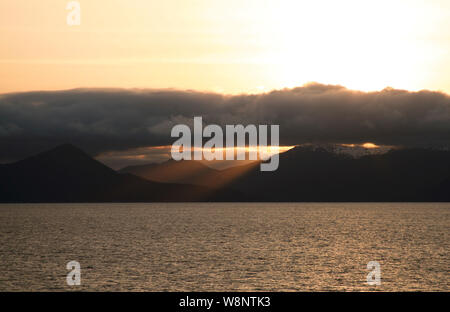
(206, 91)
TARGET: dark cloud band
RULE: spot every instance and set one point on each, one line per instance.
(101, 120)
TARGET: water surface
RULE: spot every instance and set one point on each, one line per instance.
(225, 246)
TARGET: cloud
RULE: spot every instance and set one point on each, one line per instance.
(135, 156)
(102, 120)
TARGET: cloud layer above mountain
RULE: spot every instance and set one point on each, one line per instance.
(100, 120)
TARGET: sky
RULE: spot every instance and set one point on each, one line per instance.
(229, 47)
(333, 72)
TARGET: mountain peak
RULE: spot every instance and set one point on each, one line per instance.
(67, 174)
(66, 157)
(66, 148)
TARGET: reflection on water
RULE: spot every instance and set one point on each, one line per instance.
(225, 247)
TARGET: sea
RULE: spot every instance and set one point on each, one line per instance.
(225, 247)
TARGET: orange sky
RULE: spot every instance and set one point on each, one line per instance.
(228, 46)
(144, 155)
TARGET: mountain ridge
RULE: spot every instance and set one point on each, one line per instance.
(308, 173)
(67, 174)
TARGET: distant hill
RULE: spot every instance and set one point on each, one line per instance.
(316, 174)
(308, 174)
(442, 192)
(67, 174)
(191, 172)
(188, 172)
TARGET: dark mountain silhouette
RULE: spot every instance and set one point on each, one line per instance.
(315, 174)
(311, 174)
(188, 172)
(67, 174)
(442, 192)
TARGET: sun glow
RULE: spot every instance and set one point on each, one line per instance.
(152, 154)
(347, 43)
(367, 145)
(263, 152)
(370, 145)
(228, 46)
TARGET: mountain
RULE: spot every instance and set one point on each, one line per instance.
(191, 172)
(310, 174)
(442, 192)
(67, 174)
(188, 172)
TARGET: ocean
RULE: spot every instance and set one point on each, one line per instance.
(225, 246)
